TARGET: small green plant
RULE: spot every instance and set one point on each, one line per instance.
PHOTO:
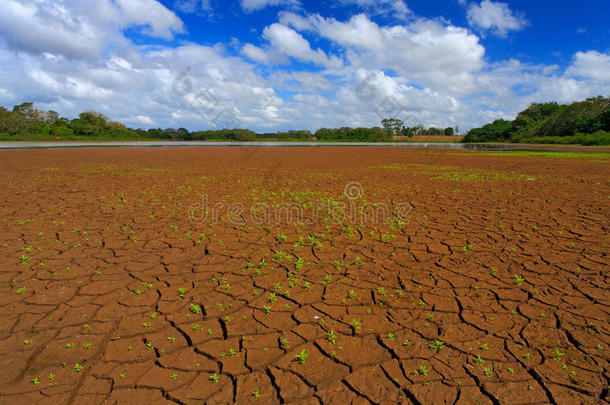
(78, 368)
(484, 347)
(196, 309)
(558, 355)
(171, 339)
(173, 376)
(423, 370)
(27, 342)
(35, 381)
(390, 336)
(21, 290)
(480, 360)
(302, 357)
(181, 292)
(256, 394)
(331, 336)
(436, 345)
(351, 294)
(267, 309)
(214, 378)
(518, 279)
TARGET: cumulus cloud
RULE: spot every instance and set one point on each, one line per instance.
(254, 53)
(291, 43)
(423, 51)
(77, 29)
(591, 65)
(494, 17)
(419, 70)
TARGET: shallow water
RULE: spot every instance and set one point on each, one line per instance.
(448, 146)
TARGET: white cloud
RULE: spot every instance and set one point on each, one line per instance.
(144, 119)
(291, 43)
(591, 65)
(77, 29)
(254, 53)
(420, 70)
(495, 17)
(424, 51)
(255, 5)
(158, 20)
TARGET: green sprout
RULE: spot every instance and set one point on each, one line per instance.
(331, 336)
(302, 357)
(518, 279)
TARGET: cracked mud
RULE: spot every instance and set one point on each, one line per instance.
(490, 285)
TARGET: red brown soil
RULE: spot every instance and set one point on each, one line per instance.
(95, 245)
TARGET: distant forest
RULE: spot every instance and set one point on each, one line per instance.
(584, 122)
(25, 122)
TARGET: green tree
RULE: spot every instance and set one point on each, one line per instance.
(498, 131)
(393, 125)
(26, 110)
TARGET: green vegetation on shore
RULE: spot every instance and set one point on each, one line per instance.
(585, 123)
(26, 123)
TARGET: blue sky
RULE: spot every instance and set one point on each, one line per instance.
(274, 65)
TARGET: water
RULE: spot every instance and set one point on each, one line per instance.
(448, 146)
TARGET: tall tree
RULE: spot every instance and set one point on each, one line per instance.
(393, 125)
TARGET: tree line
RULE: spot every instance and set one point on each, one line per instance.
(584, 122)
(24, 121)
